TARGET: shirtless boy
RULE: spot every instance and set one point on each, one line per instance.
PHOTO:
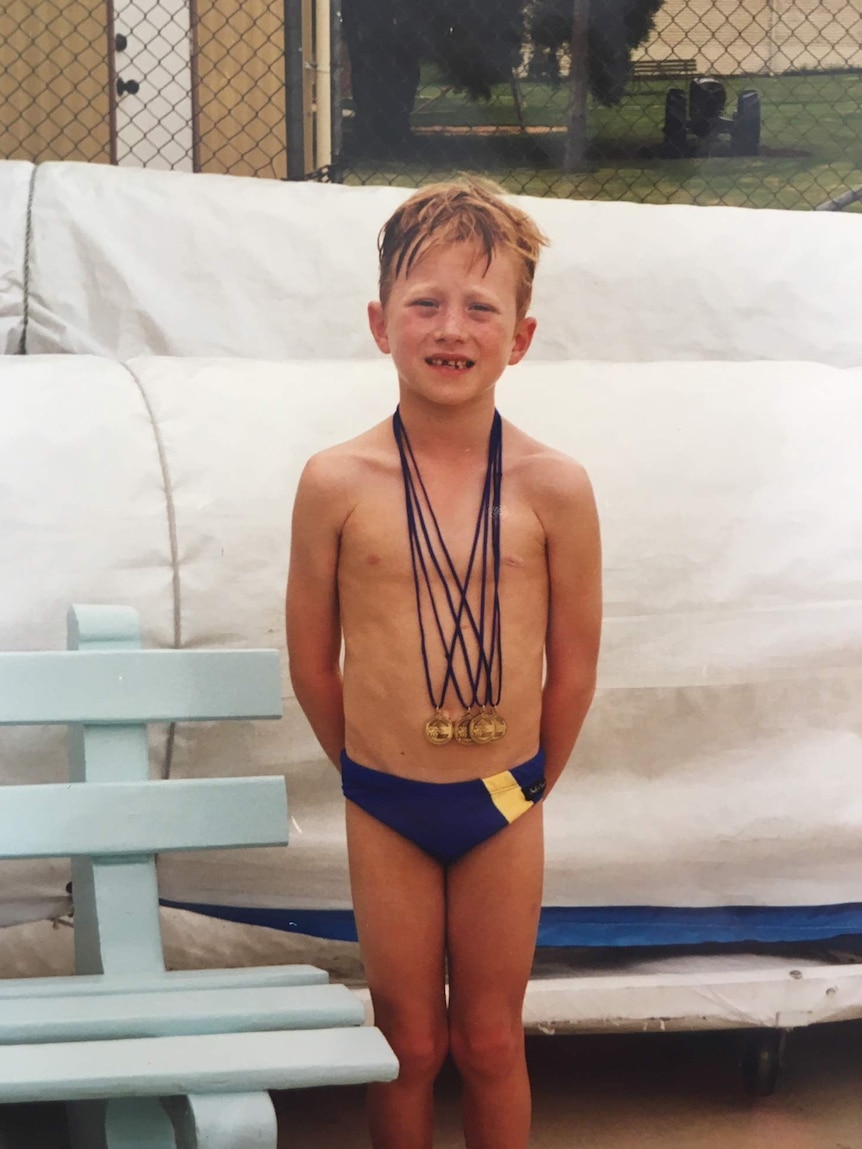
(459, 560)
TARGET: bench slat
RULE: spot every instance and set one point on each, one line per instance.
(109, 1016)
(101, 819)
(128, 686)
(663, 69)
(219, 1063)
(171, 981)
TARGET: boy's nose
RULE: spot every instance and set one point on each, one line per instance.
(450, 325)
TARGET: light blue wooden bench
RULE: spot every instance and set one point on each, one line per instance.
(147, 1058)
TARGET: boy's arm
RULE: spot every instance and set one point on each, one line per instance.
(574, 612)
(311, 606)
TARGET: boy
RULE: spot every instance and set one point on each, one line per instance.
(454, 555)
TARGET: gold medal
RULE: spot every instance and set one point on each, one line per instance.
(439, 729)
(462, 730)
(482, 728)
(501, 726)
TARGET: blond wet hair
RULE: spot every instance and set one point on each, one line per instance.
(466, 210)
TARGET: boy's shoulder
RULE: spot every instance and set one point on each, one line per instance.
(555, 485)
(341, 460)
(332, 479)
(544, 466)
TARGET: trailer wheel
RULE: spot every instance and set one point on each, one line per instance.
(762, 1058)
(745, 133)
(676, 124)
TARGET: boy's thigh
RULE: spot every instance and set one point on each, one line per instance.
(399, 901)
(494, 898)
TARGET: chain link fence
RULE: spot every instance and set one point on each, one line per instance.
(750, 102)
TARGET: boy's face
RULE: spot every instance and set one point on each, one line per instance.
(450, 326)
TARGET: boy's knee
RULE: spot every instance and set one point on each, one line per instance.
(420, 1051)
(486, 1050)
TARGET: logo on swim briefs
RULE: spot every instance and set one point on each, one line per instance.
(534, 791)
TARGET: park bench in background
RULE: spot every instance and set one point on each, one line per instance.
(670, 68)
(150, 1057)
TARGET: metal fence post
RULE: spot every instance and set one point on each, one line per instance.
(294, 124)
(336, 76)
(770, 40)
(579, 79)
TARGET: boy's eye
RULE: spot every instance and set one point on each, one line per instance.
(425, 303)
(481, 307)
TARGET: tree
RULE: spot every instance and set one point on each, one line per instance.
(475, 43)
(384, 43)
(617, 27)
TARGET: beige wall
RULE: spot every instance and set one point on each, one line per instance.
(240, 87)
(54, 91)
(727, 36)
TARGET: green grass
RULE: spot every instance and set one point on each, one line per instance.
(811, 145)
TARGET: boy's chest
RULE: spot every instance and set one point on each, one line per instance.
(376, 540)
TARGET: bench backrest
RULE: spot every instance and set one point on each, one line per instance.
(111, 818)
(670, 67)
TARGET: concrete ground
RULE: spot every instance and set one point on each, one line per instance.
(651, 1091)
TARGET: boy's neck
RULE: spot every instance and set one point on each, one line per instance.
(450, 433)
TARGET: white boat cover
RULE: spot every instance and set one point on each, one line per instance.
(720, 762)
(128, 262)
(15, 179)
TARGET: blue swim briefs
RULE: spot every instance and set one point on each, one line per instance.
(445, 819)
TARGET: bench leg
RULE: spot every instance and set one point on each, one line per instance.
(137, 1123)
(122, 1123)
(223, 1120)
(199, 1121)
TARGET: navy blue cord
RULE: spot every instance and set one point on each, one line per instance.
(489, 509)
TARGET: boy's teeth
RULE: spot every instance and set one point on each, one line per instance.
(437, 361)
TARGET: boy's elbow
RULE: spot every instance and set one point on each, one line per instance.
(583, 692)
(309, 677)
(574, 681)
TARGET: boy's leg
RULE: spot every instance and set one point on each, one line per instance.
(494, 896)
(399, 901)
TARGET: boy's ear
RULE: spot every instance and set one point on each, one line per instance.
(525, 329)
(377, 323)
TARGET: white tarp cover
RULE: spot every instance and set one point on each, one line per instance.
(14, 191)
(721, 759)
(128, 262)
(82, 519)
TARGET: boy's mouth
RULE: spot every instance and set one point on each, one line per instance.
(452, 362)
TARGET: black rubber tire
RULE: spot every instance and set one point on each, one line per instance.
(675, 125)
(762, 1058)
(745, 133)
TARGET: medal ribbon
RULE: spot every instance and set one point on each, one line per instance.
(488, 662)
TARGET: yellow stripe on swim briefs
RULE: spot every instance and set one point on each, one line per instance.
(507, 795)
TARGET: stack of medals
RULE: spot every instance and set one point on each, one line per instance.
(480, 723)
